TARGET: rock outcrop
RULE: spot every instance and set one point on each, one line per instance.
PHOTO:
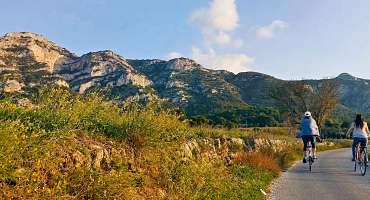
(29, 60)
(12, 86)
(103, 68)
(228, 148)
(22, 51)
(90, 153)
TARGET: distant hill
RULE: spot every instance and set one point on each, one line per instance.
(28, 61)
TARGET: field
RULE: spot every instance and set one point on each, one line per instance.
(67, 146)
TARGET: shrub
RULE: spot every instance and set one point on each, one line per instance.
(258, 160)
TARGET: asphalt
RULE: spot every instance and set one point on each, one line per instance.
(332, 178)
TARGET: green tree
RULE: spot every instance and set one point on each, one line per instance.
(295, 97)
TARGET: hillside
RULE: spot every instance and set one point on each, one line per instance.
(27, 61)
(185, 83)
(254, 87)
(355, 92)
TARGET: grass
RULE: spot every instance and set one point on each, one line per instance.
(68, 146)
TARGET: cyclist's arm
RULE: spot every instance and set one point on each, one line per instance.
(350, 130)
(316, 127)
(367, 129)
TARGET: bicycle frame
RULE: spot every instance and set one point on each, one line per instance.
(361, 158)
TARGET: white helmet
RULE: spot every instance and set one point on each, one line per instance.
(307, 114)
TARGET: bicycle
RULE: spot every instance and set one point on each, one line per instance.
(309, 153)
(361, 158)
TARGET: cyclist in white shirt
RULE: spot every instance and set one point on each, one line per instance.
(360, 132)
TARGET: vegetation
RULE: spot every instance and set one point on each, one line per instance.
(248, 117)
(291, 100)
(51, 150)
(76, 147)
(296, 97)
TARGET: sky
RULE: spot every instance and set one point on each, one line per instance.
(289, 39)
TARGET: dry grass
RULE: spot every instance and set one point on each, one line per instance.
(258, 160)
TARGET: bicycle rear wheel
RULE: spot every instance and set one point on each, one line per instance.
(310, 161)
(363, 163)
(357, 156)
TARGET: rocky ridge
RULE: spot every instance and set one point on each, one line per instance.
(28, 61)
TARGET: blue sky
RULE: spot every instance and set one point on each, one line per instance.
(290, 39)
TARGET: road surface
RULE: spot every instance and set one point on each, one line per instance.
(332, 178)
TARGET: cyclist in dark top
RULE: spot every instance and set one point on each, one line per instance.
(309, 132)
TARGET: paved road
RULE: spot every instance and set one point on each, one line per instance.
(332, 178)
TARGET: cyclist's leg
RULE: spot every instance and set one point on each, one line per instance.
(305, 141)
(313, 142)
(364, 142)
(354, 143)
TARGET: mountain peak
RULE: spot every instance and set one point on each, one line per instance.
(250, 75)
(24, 35)
(47, 55)
(28, 39)
(106, 54)
(183, 64)
(182, 59)
(346, 76)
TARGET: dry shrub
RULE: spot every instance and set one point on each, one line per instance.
(258, 160)
(136, 141)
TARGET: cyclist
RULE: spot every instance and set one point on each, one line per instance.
(360, 132)
(309, 132)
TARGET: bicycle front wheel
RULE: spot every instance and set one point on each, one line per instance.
(310, 161)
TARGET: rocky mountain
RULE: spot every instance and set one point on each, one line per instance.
(254, 87)
(355, 92)
(28, 61)
(186, 83)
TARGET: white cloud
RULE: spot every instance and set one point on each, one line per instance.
(221, 38)
(267, 32)
(217, 21)
(173, 55)
(230, 62)
(221, 15)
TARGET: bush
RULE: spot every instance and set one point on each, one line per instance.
(258, 160)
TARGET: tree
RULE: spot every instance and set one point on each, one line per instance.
(325, 99)
(199, 120)
(293, 98)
